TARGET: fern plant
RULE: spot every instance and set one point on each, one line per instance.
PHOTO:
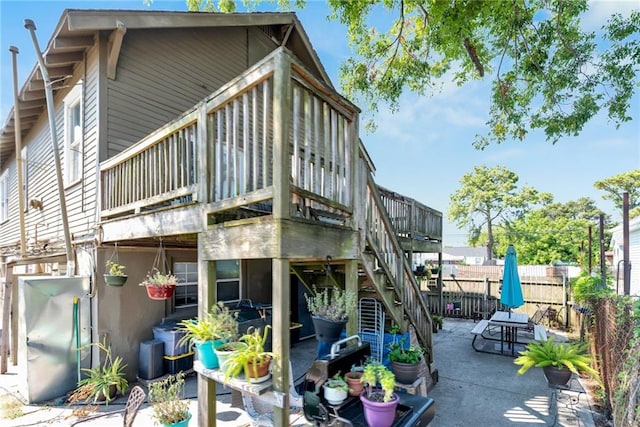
(573, 356)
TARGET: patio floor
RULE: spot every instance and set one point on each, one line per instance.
(474, 388)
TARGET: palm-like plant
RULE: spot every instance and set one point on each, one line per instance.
(219, 323)
(573, 356)
(247, 360)
(102, 378)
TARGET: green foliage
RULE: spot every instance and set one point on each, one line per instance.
(615, 186)
(337, 382)
(549, 235)
(156, 278)
(376, 373)
(219, 323)
(547, 72)
(549, 353)
(400, 352)
(334, 304)
(488, 197)
(100, 378)
(254, 353)
(114, 268)
(166, 399)
(586, 289)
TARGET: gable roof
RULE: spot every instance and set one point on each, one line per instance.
(77, 29)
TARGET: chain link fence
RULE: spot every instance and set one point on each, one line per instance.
(618, 352)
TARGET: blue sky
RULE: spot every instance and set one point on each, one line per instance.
(423, 150)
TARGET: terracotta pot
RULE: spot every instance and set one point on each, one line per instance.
(160, 292)
(353, 380)
(258, 370)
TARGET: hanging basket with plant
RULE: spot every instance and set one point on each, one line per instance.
(114, 271)
(160, 283)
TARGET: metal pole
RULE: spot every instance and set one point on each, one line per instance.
(603, 267)
(19, 159)
(29, 25)
(626, 243)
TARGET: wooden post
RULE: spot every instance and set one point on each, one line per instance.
(281, 289)
(351, 284)
(206, 298)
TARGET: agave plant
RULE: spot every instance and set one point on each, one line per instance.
(573, 356)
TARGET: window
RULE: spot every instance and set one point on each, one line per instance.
(73, 135)
(25, 179)
(4, 197)
(227, 280)
(186, 294)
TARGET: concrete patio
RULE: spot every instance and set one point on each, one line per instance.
(473, 389)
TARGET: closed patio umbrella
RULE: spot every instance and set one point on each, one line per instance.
(511, 295)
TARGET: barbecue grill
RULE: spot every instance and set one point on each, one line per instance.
(411, 411)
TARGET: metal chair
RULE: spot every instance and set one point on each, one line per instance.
(130, 410)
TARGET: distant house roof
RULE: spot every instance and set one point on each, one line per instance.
(465, 251)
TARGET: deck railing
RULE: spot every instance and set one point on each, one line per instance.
(224, 148)
(411, 218)
(381, 235)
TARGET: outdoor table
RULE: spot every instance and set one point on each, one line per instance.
(509, 324)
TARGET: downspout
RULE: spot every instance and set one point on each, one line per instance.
(29, 25)
(18, 131)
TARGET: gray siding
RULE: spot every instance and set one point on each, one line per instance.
(162, 73)
(46, 225)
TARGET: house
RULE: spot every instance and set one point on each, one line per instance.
(617, 247)
(217, 143)
(457, 255)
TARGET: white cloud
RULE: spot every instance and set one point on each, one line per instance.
(600, 11)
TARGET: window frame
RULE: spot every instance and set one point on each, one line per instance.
(4, 196)
(73, 147)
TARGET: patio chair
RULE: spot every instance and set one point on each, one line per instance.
(129, 412)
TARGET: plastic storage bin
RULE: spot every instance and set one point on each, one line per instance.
(175, 364)
(150, 360)
(170, 335)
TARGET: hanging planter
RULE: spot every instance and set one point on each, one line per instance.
(114, 272)
(160, 286)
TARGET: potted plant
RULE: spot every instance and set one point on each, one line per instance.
(379, 404)
(212, 330)
(115, 274)
(353, 380)
(166, 399)
(253, 360)
(330, 311)
(160, 286)
(405, 359)
(558, 360)
(103, 382)
(335, 390)
(437, 322)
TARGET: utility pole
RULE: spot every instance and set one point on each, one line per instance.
(626, 243)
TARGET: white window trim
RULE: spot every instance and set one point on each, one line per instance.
(71, 100)
(25, 177)
(4, 196)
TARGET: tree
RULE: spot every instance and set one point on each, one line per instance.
(489, 197)
(547, 73)
(554, 233)
(614, 186)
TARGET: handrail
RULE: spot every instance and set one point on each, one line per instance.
(382, 235)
